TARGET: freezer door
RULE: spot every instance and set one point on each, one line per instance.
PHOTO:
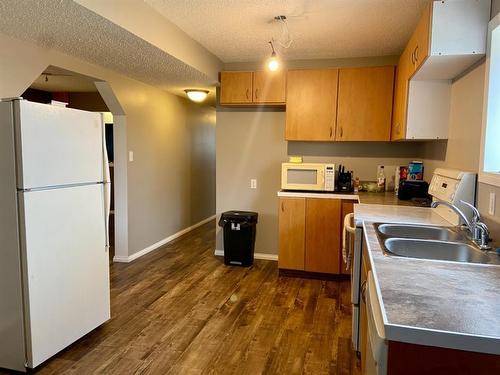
(56, 145)
(65, 267)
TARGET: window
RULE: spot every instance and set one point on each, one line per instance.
(490, 155)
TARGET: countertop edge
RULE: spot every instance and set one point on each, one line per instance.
(442, 339)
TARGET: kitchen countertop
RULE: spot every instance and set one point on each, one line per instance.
(428, 302)
(388, 198)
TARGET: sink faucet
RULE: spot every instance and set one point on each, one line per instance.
(479, 231)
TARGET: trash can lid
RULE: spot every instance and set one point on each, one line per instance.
(239, 216)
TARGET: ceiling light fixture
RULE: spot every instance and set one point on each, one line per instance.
(273, 64)
(196, 95)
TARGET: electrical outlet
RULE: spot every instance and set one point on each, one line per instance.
(491, 208)
(131, 156)
(253, 183)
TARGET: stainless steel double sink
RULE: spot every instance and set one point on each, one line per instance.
(431, 242)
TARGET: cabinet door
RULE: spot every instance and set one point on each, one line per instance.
(347, 208)
(269, 87)
(311, 105)
(400, 105)
(323, 235)
(420, 41)
(291, 233)
(236, 87)
(365, 104)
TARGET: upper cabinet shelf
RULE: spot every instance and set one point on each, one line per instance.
(252, 88)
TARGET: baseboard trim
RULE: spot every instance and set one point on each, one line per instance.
(147, 250)
(262, 256)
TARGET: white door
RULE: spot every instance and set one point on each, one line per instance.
(57, 146)
(65, 267)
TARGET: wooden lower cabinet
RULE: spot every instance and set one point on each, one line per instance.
(322, 235)
(292, 212)
(310, 234)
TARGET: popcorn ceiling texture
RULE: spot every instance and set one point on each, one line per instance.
(73, 29)
(238, 31)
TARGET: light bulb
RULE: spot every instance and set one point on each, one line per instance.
(273, 64)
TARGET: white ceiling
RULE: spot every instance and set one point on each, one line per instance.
(238, 30)
(73, 29)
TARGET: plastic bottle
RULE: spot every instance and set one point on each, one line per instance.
(356, 185)
(381, 179)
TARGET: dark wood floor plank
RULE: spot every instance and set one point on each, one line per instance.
(180, 310)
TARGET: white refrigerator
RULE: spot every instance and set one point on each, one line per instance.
(54, 207)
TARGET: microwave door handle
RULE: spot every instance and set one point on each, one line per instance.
(321, 178)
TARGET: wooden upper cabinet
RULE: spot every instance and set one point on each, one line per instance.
(365, 99)
(420, 40)
(311, 105)
(323, 230)
(292, 212)
(236, 87)
(400, 105)
(269, 87)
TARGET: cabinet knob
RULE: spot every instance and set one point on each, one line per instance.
(256, 93)
(341, 132)
(416, 53)
(282, 207)
(331, 132)
(247, 93)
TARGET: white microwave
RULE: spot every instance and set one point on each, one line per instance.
(308, 176)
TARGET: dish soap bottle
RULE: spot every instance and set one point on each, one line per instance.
(381, 179)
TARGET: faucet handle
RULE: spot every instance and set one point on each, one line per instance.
(484, 236)
(475, 211)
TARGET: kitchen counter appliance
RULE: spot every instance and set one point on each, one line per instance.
(308, 176)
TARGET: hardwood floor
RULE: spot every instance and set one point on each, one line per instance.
(179, 310)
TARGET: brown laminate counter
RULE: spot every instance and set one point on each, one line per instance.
(387, 199)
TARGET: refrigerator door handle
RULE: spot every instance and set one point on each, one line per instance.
(106, 184)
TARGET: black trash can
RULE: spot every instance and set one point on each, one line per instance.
(239, 237)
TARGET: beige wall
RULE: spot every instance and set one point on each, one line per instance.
(464, 143)
(250, 144)
(464, 133)
(161, 129)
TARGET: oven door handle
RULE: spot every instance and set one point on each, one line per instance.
(348, 228)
